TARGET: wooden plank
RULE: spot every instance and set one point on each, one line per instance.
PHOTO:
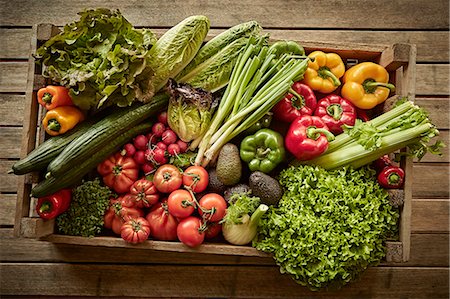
(438, 109)
(430, 180)
(8, 181)
(7, 208)
(430, 216)
(432, 79)
(14, 46)
(210, 281)
(426, 250)
(11, 109)
(13, 76)
(10, 138)
(323, 14)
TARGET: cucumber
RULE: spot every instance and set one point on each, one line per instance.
(101, 134)
(75, 174)
(41, 156)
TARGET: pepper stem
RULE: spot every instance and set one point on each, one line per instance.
(370, 85)
(53, 125)
(325, 73)
(313, 132)
(45, 207)
(47, 98)
(394, 178)
(297, 101)
(335, 110)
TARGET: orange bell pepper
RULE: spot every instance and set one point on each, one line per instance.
(366, 85)
(54, 96)
(324, 71)
(61, 119)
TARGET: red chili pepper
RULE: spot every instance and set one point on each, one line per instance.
(51, 206)
(299, 101)
(335, 112)
(391, 177)
(362, 114)
(307, 137)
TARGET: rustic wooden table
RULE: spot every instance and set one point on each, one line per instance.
(31, 268)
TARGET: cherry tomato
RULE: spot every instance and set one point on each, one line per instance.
(196, 178)
(167, 178)
(163, 225)
(169, 137)
(189, 231)
(180, 203)
(215, 203)
(213, 230)
(135, 230)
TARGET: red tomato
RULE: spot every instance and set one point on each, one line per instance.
(119, 172)
(214, 206)
(144, 193)
(135, 230)
(120, 210)
(189, 231)
(196, 178)
(213, 230)
(180, 203)
(163, 225)
(167, 178)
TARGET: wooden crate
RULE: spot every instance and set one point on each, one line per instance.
(398, 59)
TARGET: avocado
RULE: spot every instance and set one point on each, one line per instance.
(265, 187)
(215, 185)
(229, 165)
(237, 189)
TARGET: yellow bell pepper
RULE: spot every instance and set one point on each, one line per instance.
(324, 71)
(366, 85)
(61, 119)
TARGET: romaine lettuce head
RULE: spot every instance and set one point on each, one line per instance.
(190, 110)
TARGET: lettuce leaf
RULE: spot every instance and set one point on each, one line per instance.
(329, 225)
(101, 58)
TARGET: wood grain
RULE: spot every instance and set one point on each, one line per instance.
(13, 76)
(210, 281)
(11, 109)
(7, 209)
(430, 216)
(438, 109)
(10, 138)
(13, 45)
(8, 181)
(226, 13)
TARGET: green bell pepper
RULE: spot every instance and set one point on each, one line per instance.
(264, 122)
(263, 151)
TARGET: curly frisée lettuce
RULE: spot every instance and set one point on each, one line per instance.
(329, 225)
(101, 58)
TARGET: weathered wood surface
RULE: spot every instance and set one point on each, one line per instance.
(44, 267)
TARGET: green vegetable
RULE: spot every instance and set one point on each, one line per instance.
(76, 173)
(329, 226)
(190, 110)
(263, 151)
(240, 223)
(254, 88)
(183, 160)
(211, 67)
(407, 125)
(176, 48)
(102, 58)
(84, 217)
(219, 42)
(103, 133)
(42, 155)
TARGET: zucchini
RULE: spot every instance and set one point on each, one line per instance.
(101, 134)
(41, 156)
(75, 174)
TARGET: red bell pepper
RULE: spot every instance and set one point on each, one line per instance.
(307, 137)
(120, 210)
(299, 101)
(381, 163)
(54, 96)
(362, 114)
(144, 193)
(391, 177)
(119, 172)
(51, 206)
(336, 111)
